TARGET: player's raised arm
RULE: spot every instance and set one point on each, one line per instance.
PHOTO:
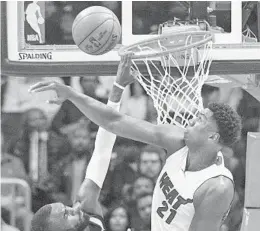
(168, 137)
(87, 197)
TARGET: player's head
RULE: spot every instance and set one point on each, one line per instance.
(216, 126)
(58, 217)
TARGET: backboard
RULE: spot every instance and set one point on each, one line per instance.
(25, 53)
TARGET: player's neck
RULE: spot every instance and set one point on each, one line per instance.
(200, 159)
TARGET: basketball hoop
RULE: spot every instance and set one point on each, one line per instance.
(179, 99)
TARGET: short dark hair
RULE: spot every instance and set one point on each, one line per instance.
(228, 122)
(40, 221)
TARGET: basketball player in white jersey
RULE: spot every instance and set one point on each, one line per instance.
(194, 190)
(86, 213)
(31, 17)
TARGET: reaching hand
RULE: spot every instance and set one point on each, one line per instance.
(63, 92)
(124, 76)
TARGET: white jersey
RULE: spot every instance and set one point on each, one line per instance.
(172, 207)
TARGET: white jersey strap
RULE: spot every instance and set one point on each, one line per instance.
(93, 220)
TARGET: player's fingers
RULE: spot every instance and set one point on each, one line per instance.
(123, 59)
(126, 59)
(40, 85)
(126, 56)
(129, 54)
(134, 73)
(40, 89)
(129, 57)
(55, 101)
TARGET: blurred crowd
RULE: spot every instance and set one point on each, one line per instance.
(146, 16)
(59, 17)
(64, 140)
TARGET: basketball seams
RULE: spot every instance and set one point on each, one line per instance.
(93, 31)
(115, 20)
(99, 29)
(108, 36)
(74, 26)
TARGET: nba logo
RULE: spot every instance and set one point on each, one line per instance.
(34, 23)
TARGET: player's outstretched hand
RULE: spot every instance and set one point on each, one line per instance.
(124, 76)
(63, 92)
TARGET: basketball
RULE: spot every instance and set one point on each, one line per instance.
(96, 30)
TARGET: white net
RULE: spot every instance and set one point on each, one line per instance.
(176, 98)
(248, 36)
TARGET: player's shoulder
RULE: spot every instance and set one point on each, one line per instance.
(219, 184)
(220, 187)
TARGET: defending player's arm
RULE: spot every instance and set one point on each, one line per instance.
(168, 137)
(216, 193)
(87, 197)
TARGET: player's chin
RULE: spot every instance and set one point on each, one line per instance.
(185, 137)
(188, 132)
(187, 140)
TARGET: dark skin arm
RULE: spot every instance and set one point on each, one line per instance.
(211, 201)
(168, 137)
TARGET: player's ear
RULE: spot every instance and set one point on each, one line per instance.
(215, 137)
(192, 122)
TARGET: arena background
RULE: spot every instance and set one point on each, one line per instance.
(65, 138)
